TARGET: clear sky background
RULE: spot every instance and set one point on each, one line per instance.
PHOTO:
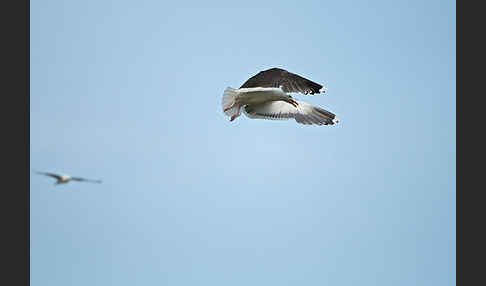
(130, 92)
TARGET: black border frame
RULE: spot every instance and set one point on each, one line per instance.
(15, 192)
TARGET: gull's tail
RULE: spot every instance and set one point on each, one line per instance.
(229, 97)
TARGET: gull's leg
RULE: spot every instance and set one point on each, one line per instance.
(229, 107)
(236, 115)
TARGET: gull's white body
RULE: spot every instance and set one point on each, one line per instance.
(64, 179)
(272, 103)
(257, 95)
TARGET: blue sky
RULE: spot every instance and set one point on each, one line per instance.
(130, 92)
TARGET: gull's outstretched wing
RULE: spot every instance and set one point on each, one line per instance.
(85, 180)
(304, 113)
(50, 175)
(287, 81)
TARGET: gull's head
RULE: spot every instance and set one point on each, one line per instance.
(323, 89)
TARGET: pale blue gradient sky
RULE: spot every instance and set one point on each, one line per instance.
(129, 92)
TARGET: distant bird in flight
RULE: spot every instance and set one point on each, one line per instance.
(62, 179)
(265, 96)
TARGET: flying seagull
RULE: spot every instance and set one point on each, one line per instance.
(62, 179)
(266, 96)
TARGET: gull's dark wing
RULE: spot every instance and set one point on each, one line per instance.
(50, 175)
(289, 82)
(85, 180)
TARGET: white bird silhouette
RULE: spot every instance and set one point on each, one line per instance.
(266, 96)
(63, 179)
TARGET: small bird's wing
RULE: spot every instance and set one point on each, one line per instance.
(304, 113)
(85, 180)
(287, 81)
(50, 175)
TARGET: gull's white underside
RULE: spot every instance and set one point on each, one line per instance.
(268, 103)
